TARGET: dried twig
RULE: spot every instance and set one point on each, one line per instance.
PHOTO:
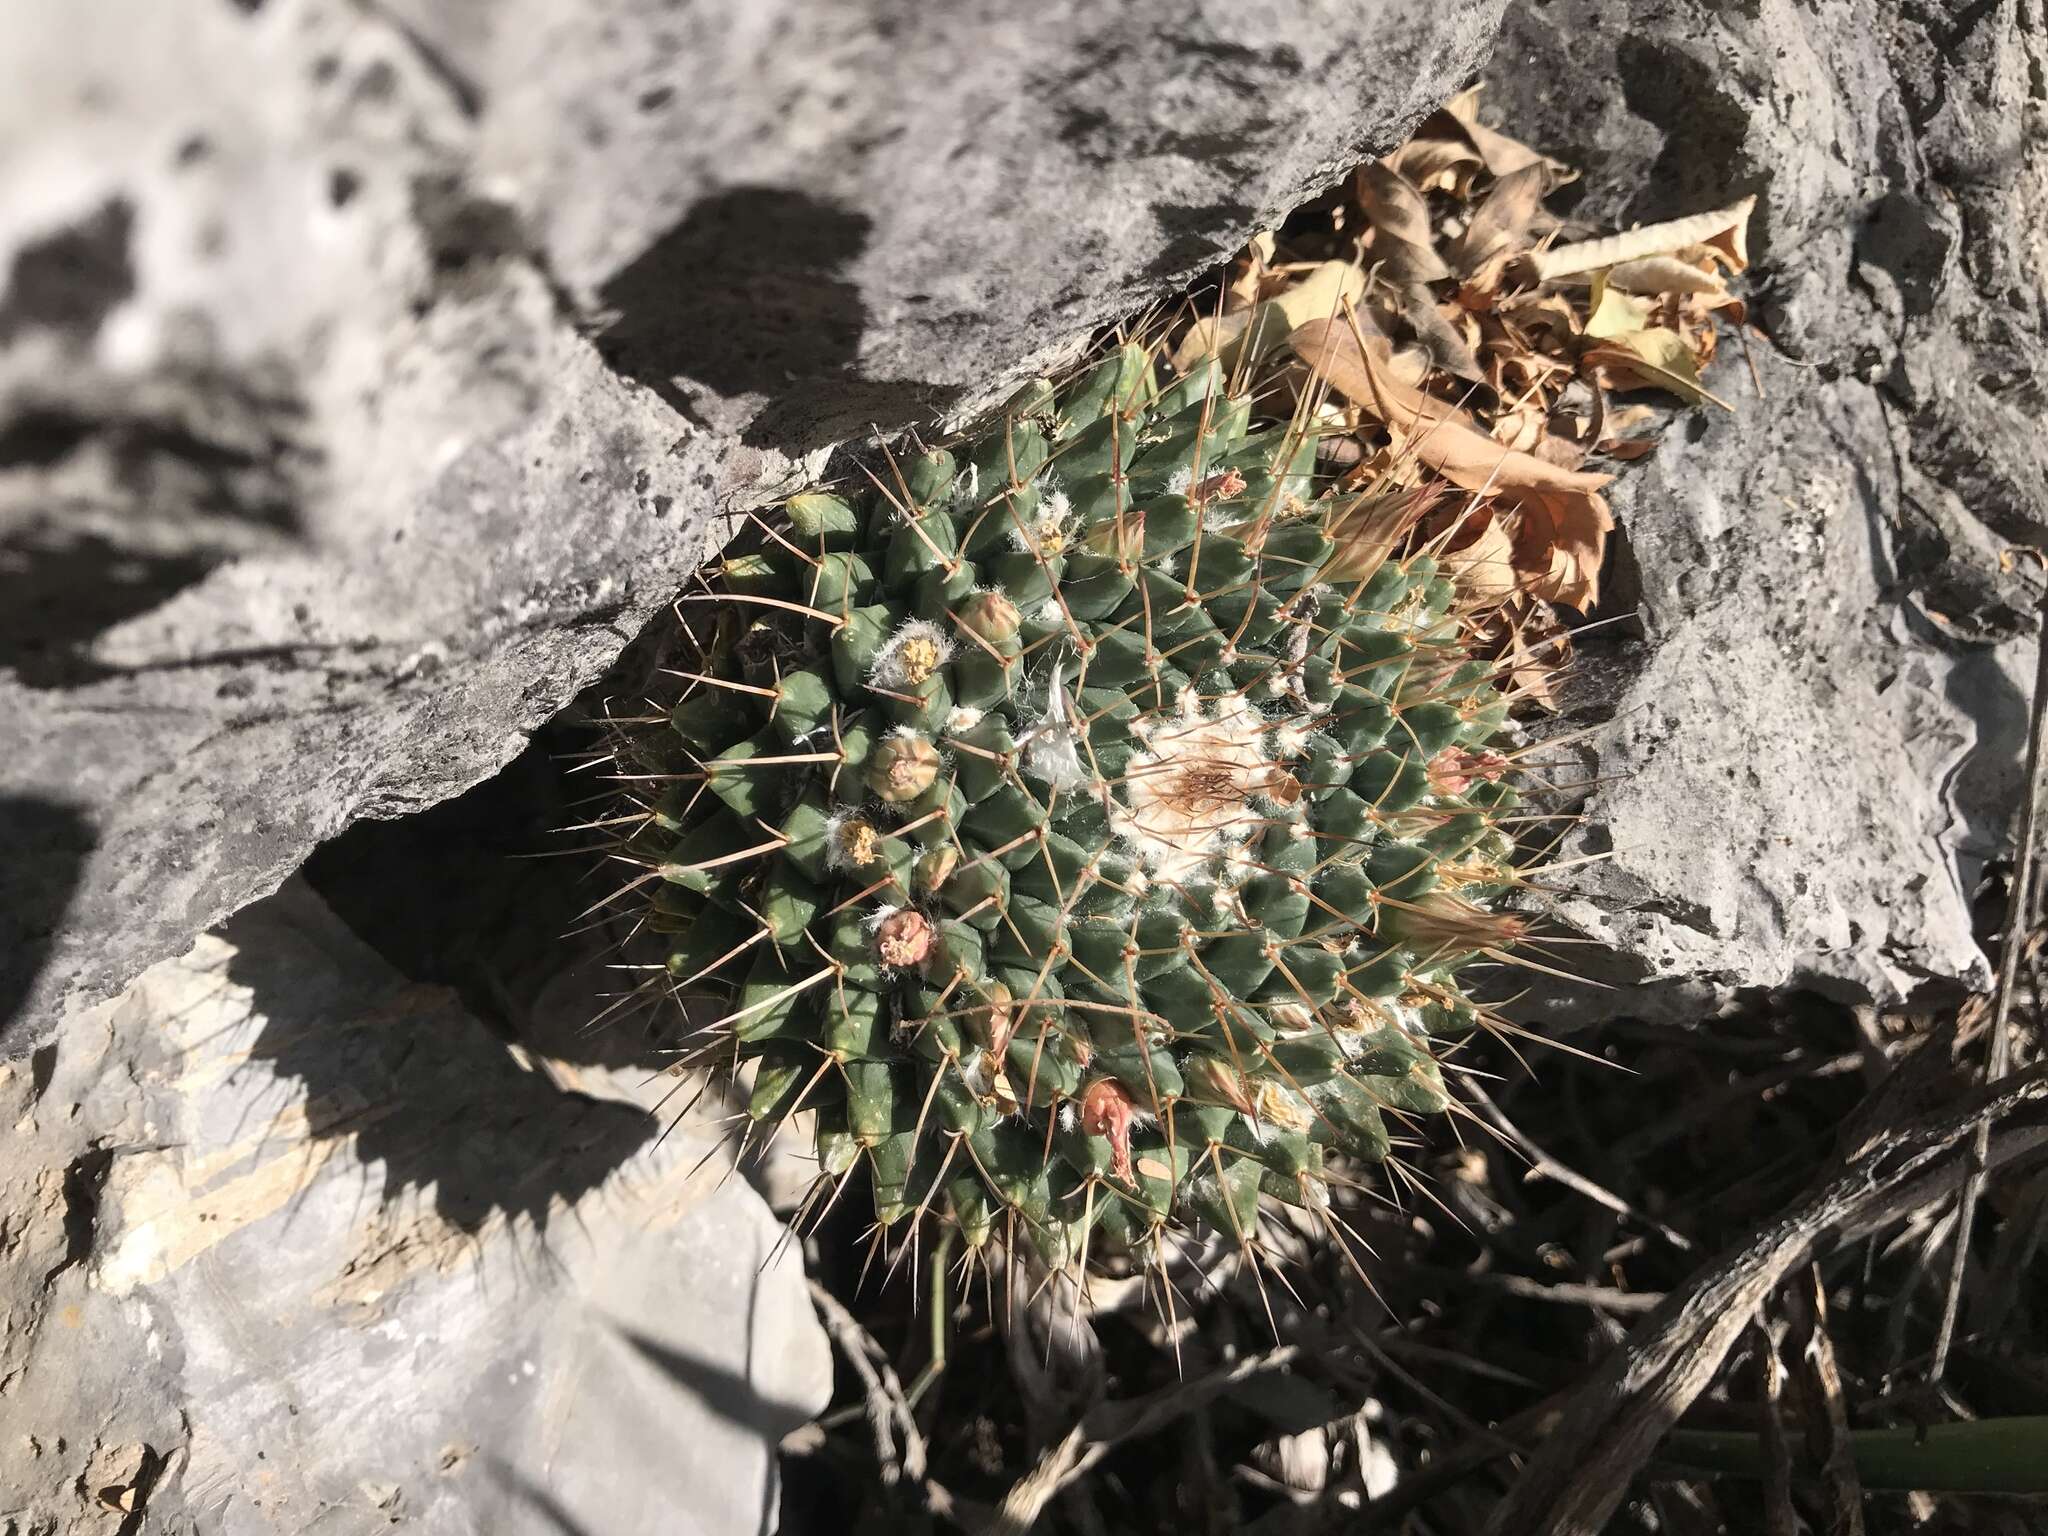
(887, 1409)
(1615, 1420)
(1542, 1163)
(1779, 1518)
(1568, 1293)
(1819, 1381)
(1108, 1425)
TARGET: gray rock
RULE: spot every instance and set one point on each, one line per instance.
(292, 1244)
(1786, 748)
(368, 377)
(1810, 739)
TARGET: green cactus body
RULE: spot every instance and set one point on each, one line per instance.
(1080, 828)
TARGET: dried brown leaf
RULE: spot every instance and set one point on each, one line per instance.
(1653, 358)
(1613, 439)
(1403, 243)
(1563, 531)
(1537, 311)
(1502, 155)
(1564, 452)
(1627, 448)
(1521, 427)
(1664, 274)
(1500, 225)
(1438, 334)
(1206, 337)
(1439, 158)
(1316, 293)
(1560, 541)
(1483, 569)
(1614, 313)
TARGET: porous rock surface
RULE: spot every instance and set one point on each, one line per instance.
(1809, 736)
(291, 1243)
(369, 374)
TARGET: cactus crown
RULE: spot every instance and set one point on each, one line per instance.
(1088, 827)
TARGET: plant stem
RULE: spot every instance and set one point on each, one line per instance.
(939, 1306)
(1987, 1456)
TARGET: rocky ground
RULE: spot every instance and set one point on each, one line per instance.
(353, 420)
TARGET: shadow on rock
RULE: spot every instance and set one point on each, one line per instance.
(724, 1392)
(544, 1505)
(429, 1096)
(1704, 161)
(751, 295)
(44, 844)
(139, 493)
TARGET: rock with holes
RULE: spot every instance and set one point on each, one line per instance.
(1810, 731)
(355, 416)
(293, 1244)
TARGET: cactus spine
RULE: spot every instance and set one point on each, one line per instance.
(1088, 826)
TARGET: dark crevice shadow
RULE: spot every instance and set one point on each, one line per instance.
(725, 1392)
(163, 478)
(60, 589)
(1703, 162)
(44, 844)
(473, 903)
(481, 893)
(751, 295)
(71, 280)
(1197, 235)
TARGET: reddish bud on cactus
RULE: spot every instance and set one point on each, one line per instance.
(1455, 770)
(904, 938)
(1217, 488)
(1106, 1111)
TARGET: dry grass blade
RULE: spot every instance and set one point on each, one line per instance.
(1615, 1420)
(1542, 1164)
(1779, 1518)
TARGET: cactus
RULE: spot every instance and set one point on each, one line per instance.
(1087, 823)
